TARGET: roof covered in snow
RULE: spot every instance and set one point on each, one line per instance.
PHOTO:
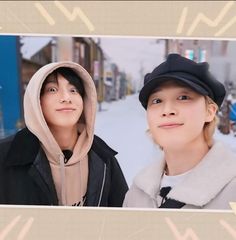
(31, 45)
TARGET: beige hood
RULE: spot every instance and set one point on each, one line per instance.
(36, 123)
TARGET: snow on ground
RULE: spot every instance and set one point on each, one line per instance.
(122, 124)
(229, 139)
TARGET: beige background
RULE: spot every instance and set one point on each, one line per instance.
(205, 19)
(195, 19)
(103, 224)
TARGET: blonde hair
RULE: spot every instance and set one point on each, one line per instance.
(209, 127)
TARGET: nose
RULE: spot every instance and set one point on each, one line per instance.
(168, 110)
(65, 96)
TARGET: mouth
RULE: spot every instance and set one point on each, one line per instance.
(65, 109)
(170, 125)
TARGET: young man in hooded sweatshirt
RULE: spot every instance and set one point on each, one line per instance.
(57, 159)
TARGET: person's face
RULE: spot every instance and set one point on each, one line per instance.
(176, 116)
(61, 103)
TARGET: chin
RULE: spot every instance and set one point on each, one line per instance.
(66, 125)
(171, 143)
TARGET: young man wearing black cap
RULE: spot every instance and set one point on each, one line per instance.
(181, 98)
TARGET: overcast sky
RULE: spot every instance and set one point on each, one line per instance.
(132, 53)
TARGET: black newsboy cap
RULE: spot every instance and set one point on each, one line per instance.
(194, 75)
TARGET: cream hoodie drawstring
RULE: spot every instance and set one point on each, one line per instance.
(63, 179)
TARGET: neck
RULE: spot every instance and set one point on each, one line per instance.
(184, 159)
(66, 138)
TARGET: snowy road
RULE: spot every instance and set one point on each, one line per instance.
(122, 124)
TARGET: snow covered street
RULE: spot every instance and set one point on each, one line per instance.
(122, 124)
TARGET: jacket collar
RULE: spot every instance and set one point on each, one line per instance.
(148, 180)
(23, 150)
(203, 183)
(25, 147)
(102, 149)
(208, 178)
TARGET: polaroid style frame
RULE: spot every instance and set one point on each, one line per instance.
(163, 19)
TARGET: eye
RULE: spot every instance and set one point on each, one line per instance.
(73, 90)
(156, 101)
(183, 97)
(51, 89)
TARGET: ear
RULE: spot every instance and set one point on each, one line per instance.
(210, 112)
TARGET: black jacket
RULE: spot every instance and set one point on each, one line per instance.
(25, 174)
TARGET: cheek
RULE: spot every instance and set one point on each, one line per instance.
(46, 107)
(152, 121)
(79, 103)
(196, 117)
(43, 105)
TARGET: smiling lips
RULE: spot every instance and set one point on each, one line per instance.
(65, 109)
(170, 125)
